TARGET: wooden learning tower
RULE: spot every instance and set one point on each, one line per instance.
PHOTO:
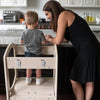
(19, 89)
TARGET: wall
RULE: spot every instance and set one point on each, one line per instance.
(37, 5)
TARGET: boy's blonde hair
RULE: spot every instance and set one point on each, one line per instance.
(31, 17)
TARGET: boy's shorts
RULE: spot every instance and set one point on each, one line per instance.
(27, 54)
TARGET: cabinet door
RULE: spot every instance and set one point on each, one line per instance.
(21, 2)
(13, 3)
(75, 3)
(64, 3)
(97, 3)
(6, 2)
(89, 3)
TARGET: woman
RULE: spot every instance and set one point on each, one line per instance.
(70, 26)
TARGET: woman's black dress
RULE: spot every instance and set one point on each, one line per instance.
(86, 67)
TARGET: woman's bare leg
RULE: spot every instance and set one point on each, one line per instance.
(89, 90)
(78, 90)
(2, 97)
(28, 73)
(38, 73)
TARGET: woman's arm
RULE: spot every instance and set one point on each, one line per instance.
(61, 27)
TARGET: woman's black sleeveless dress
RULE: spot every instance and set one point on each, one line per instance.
(86, 67)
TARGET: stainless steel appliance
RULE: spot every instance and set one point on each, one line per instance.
(11, 16)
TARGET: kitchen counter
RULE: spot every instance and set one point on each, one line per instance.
(9, 36)
(12, 26)
(14, 23)
(13, 34)
(95, 28)
(95, 24)
(64, 44)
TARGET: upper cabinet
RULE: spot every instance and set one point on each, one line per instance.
(80, 3)
(75, 3)
(97, 3)
(89, 3)
(64, 3)
(21, 2)
(11, 3)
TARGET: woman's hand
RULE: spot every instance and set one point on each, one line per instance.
(48, 38)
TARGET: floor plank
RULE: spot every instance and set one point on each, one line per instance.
(60, 97)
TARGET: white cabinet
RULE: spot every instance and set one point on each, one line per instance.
(6, 3)
(75, 3)
(89, 3)
(71, 3)
(80, 3)
(21, 2)
(64, 3)
(10, 3)
(97, 3)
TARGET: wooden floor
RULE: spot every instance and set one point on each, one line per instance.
(60, 97)
(67, 95)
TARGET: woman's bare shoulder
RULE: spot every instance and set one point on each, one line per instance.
(63, 16)
(63, 13)
(66, 14)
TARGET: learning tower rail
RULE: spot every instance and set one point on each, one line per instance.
(19, 90)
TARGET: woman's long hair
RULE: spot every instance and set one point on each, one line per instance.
(55, 8)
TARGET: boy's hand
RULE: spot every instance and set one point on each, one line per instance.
(44, 42)
(48, 37)
(21, 41)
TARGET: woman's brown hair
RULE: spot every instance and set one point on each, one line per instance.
(55, 8)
